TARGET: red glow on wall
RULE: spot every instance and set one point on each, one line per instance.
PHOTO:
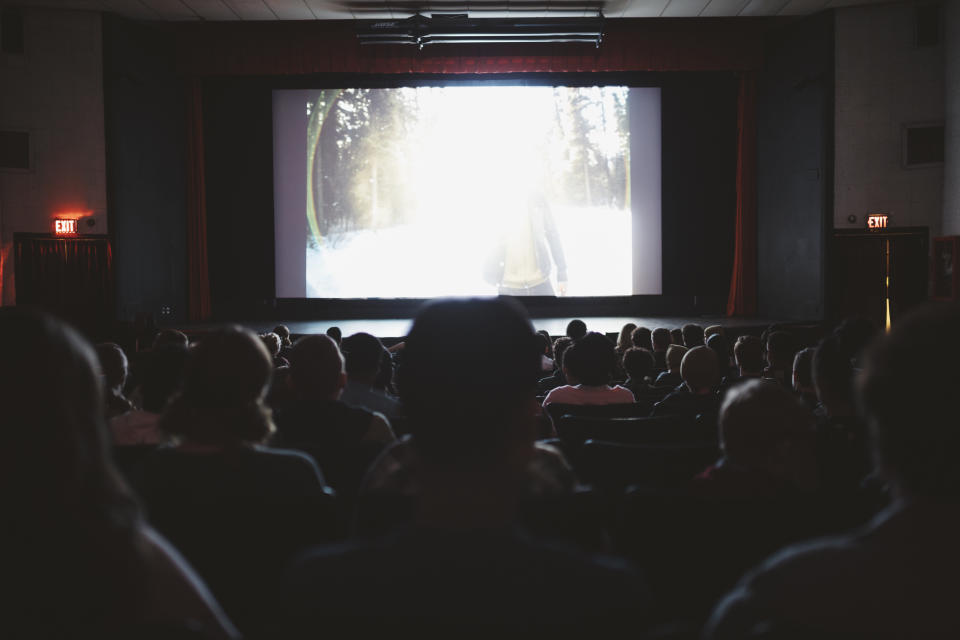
(65, 226)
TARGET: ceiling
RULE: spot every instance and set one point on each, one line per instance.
(216, 10)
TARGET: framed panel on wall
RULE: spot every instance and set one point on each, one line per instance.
(945, 285)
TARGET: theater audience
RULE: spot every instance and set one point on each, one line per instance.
(803, 377)
(718, 342)
(767, 439)
(638, 364)
(780, 349)
(895, 578)
(712, 330)
(78, 558)
(695, 396)
(462, 567)
(219, 421)
(841, 433)
(676, 336)
(671, 377)
(560, 347)
(170, 338)
(692, 335)
(588, 366)
(114, 369)
(364, 357)
(576, 329)
(660, 339)
(341, 438)
(160, 376)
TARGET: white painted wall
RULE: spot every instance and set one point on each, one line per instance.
(883, 82)
(54, 90)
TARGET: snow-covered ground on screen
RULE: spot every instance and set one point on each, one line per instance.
(446, 257)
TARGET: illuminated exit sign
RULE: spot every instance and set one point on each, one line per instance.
(878, 221)
(65, 227)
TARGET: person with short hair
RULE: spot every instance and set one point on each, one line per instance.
(781, 347)
(692, 335)
(638, 364)
(274, 345)
(660, 341)
(641, 337)
(896, 577)
(587, 366)
(364, 356)
(283, 332)
(671, 377)
(161, 373)
(343, 439)
(767, 437)
(462, 565)
(696, 396)
(676, 336)
(576, 329)
(625, 339)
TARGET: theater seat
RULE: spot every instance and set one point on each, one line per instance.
(556, 410)
(613, 466)
(574, 430)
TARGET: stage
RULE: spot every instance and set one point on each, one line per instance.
(396, 328)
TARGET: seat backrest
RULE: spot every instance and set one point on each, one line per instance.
(556, 410)
(574, 430)
(613, 466)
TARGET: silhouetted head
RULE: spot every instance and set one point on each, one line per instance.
(590, 360)
(363, 354)
(272, 342)
(748, 352)
(676, 336)
(335, 334)
(913, 417)
(718, 343)
(638, 363)
(699, 369)
(641, 337)
(470, 416)
(660, 338)
(113, 366)
(560, 346)
(692, 335)
(675, 353)
(221, 399)
(284, 332)
(713, 330)
(781, 347)
(171, 337)
(576, 329)
(317, 368)
(763, 426)
(546, 336)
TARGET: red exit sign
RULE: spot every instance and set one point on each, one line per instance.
(65, 227)
(878, 221)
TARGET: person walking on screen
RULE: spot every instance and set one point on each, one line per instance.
(529, 246)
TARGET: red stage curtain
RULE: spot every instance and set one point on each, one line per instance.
(743, 282)
(198, 273)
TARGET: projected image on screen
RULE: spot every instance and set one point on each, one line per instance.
(467, 190)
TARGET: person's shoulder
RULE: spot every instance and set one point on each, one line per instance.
(623, 394)
(560, 394)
